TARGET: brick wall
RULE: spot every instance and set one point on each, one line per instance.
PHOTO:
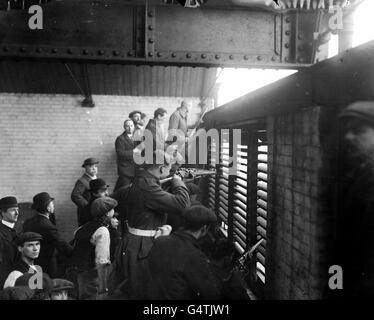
(298, 218)
(45, 138)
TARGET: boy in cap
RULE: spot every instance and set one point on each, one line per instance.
(61, 288)
(179, 270)
(8, 250)
(91, 256)
(80, 194)
(43, 204)
(28, 244)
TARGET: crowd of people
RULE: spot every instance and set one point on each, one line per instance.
(140, 242)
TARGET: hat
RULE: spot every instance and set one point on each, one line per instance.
(97, 184)
(27, 237)
(133, 112)
(8, 202)
(40, 200)
(363, 110)
(101, 206)
(62, 284)
(90, 162)
(199, 214)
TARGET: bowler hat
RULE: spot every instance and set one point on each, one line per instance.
(363, 110)
(101, 206)
(61, 284)
(90, 162)
(199, 214)
(133, 112)
(8, 202)
(98, 184)
(26, 237)
(41, 200)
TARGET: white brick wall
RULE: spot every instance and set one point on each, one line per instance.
(45, 138)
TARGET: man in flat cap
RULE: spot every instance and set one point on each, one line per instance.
(179, 269)
(138, 119)
(355, 235)
(8, 250)
(91, 256)
(147, 208)
(28, 244)
(80, 194)
(43, 204)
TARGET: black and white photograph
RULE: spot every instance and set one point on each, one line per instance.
(193, 155)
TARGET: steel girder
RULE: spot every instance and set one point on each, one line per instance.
(119, 32)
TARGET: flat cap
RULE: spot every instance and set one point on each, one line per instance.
(27, 237)
(102, 206)
(24, 281)
(90, 162)
(199, 214)
(8, 202)
(363, 110)
(97, 184)
(62, 284)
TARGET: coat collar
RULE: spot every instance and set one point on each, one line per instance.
(188, 237)
(8, 224)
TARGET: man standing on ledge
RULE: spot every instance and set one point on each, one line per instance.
(148, 205)
(81, 194)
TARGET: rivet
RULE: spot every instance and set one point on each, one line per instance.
(38, 50)
(286, 59)
(159, 54)
(318, 49)
(246, 57)
(85, 51)
(150, 27)
(173, 54)
(150, 54)
(54, 50)
(116, 52)
(101, 52)
(288, 19)
(22, 49)
(150, 14)
(301, 60)
(203, 55)
(150, 40)
(288, 32)
(130, 53)
(259, 58)
(188, 55)
(69, 51)
(300, 37)
(217, 56)
(6, 49)
(231, 57)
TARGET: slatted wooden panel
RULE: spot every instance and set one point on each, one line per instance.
(240, 200)
(262, 192)
(223, 203)
(212, 179)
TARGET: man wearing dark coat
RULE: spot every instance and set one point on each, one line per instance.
(8, 250)
(125, 146)
(155, 126)
(52, 240)
(81, 194)
(148, 205)
(179, 270)
(356, 215)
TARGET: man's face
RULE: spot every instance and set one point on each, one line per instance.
(61, 295)
(136, 118)
(360, 137)
(92, 170)
(11, 215)
(129, 127)
(161, 117)
(30, 249)
(165, 171)
(114, 222)
(51, 207)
